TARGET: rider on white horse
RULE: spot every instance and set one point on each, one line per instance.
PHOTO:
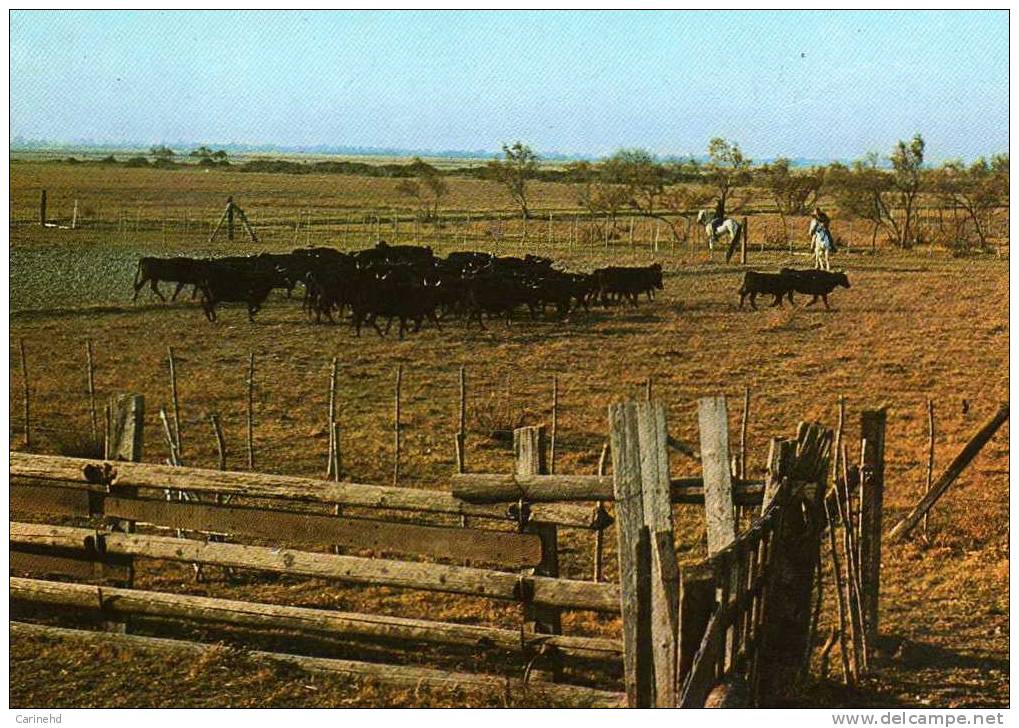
(820, 236)
(718, 224)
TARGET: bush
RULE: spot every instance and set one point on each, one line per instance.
(137, 162)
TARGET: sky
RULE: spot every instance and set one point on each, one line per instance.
(818, 85)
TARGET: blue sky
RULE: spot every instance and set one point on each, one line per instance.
(801, 84)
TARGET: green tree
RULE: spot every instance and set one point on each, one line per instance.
(977, 189)
(907, 182)
(162, 153)
(519, 163)
(428, 188)
(794, 193)
(727, 169)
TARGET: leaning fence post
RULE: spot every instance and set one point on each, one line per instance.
(872, 486)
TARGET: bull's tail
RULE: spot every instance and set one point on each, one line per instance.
(138, 274)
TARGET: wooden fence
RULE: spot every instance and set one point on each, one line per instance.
(691, 634)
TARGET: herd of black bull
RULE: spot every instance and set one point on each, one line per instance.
(407, 283)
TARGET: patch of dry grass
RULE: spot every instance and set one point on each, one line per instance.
(910, 327)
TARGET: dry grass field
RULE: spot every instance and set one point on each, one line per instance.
(914, 325)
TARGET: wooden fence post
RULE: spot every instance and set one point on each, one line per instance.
(42, 209)
(127, 412)
(872, 486)
(718, 504)
(530, 449)
(649, 575)
(26, 393)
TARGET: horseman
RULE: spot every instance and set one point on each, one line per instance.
(820, 235)
(719, 217)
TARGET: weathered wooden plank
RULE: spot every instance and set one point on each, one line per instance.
(78, 472)
(49, 500)
(697, 602)
(124, 602)
(128, 416)
(872, 488)
(954, 469)
(77, 564)
(718, 504)
(402, 675)
(507, 488)
(634, 555)
(665, 618)
(566, 593)
(513, 550)
(652, 434)
(531, 458)
(704, 673)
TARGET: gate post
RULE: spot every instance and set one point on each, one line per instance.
(872, 488)
(531, 452)
(794, 554)
(649, 574)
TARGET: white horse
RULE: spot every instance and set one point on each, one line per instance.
(822, 243)
(728, 225)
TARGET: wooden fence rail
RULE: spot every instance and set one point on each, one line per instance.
(566, 593)
(108, 476)
(731, 629)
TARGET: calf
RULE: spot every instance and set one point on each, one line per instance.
(816, 283)
(755, 284)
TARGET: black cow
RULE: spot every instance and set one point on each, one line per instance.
(617, 283)
(223, 283)
(179, 270)
(755, 284)
(814, 282)
(385, 254)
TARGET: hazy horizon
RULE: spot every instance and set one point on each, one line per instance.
(819, 85)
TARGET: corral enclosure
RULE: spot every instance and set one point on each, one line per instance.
(915, 324)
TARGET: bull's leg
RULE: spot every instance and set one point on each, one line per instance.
(824, 297)
(389, 324)
(177, 290)
(194, 291)
(742, 297)
(155, 289)
(777, 301)
(790, 297)
(375, 325)
(753, 300)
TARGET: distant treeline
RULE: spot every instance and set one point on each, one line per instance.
(672, 172)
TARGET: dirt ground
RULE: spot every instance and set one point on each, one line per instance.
(913, 325)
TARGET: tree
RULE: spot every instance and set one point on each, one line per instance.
(793, 193)
(726, 168)
(596, 195)
(202, 151)
(162, 153)
(907, 180)
(857, 190)
(520, 163)
(427, 189)
(977, 190)
(885, 198)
